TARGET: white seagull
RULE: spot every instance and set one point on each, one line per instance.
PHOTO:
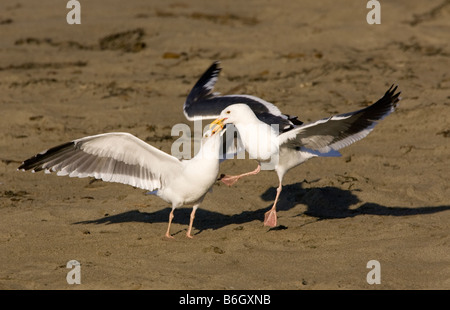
(123, 158)
(290, 142)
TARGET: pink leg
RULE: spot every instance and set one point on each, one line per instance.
(270, 217)
(188, 234)
(231, 179)
(168, 227)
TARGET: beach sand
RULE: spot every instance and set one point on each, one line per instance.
(129, 67)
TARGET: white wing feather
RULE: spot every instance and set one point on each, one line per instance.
(112, 157)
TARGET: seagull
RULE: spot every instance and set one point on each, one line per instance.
(202, 103)
(279, 139)
(123, 158)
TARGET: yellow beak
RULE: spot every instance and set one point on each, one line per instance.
(219, 125)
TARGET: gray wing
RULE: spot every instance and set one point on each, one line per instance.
(111, 157)
(336, 132)
(203, 103)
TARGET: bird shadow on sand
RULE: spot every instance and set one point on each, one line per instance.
(204, 219)
(332, 203)
(321, 203)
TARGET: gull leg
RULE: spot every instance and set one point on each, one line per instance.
(231, 179)
(270, 217)
(188, 233)
(170, 222)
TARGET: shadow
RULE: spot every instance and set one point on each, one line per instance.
(332, 202)
(204, 219)
(322, 203)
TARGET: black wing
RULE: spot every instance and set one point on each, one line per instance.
(341, 130)
(203, 103)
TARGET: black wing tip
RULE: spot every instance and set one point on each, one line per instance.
(29, 164)
(35, 163)
(212, 71)
(202, 89)
(391, 96)
(22, 167)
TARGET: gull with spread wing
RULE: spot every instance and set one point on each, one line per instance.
(282, 140)
(123, 158)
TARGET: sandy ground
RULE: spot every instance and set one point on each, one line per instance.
(129, 66)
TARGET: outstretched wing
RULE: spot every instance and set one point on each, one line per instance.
(203, 103)
(336, 132)
(111, 157)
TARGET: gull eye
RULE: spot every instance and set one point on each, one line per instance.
(228, 112)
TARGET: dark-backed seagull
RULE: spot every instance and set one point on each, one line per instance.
(123, 158)
(269, 135)
(203, 103)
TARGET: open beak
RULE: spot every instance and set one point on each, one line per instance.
(219, 125)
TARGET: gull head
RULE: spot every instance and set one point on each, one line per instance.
(234, 114)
